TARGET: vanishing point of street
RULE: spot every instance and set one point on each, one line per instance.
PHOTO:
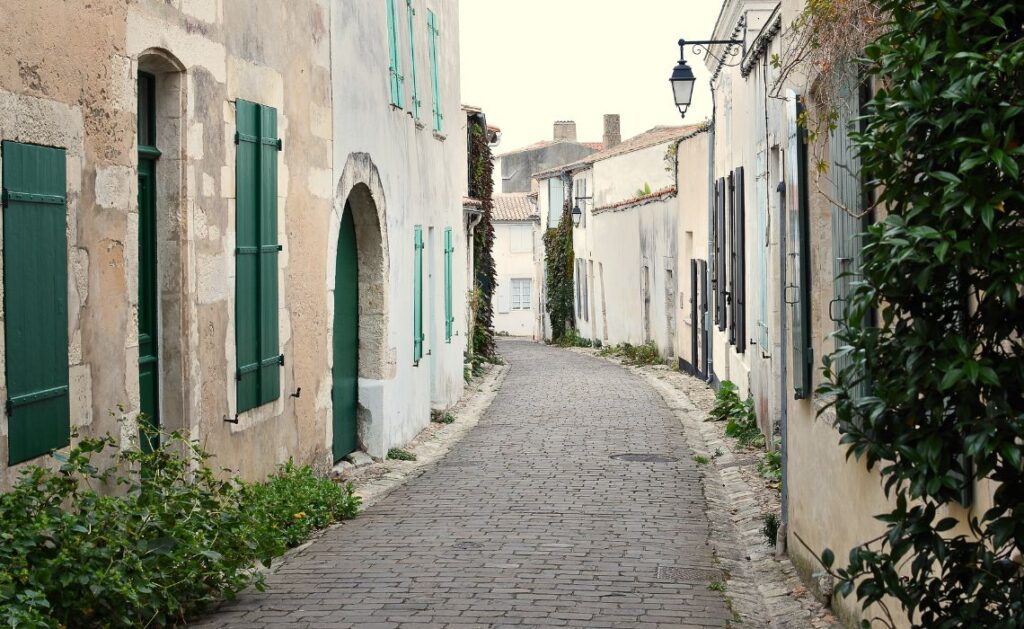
(534, 518)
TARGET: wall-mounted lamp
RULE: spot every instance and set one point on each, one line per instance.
(683, 79)
(577, 214)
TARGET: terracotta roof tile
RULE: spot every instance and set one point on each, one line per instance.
(513, 206)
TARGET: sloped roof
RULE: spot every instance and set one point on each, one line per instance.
(513, 206)
(647, 139)
(594, 146)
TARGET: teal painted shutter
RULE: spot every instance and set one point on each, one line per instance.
(395, 69)
(798, 289)
(435, 82)
(417, 296)
(35, 299)
(411, 12)
(256, 318)
(449, 317)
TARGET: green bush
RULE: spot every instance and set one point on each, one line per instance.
(770, 528)
(739, 415)
(771, 466)
(399, 454)
(145, 538)
(646, 354)
(441, 417)
(572, 339)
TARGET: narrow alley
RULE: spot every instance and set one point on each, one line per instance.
(544, 514)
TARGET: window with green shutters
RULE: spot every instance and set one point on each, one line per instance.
(35, 299)
(449, 317)
(411, 12)
(395, 69)
(417, 296)
(435, 82)
(257, 348)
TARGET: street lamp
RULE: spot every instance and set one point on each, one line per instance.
(683, 79)
(576, 216)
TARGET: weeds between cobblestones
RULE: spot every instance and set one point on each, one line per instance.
(740, 492)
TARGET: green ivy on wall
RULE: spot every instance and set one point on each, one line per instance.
(481, 186)
(558, 262)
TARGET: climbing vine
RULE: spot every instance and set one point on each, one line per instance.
(935, 329)
(481, 186)
(558, 261)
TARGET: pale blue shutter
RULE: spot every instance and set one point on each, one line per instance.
(411, 12)
(395, 69)
(435, 79)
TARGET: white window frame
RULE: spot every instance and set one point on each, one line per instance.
(520, 301)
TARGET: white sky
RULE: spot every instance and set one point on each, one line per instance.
(528, 63)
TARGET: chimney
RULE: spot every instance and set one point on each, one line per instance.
(612, 135)
(565, 130)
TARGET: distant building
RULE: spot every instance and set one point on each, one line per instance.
(518, 251)
(517, 166)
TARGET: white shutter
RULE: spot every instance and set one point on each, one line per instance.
(503, 296)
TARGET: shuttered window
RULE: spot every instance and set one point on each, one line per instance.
(761, 244)
(417, 296)
(449, 254)
(257, 350)
(35, 299)
(411, 13)
(739, 243)
(521, 293)
(395, 67)
(849, 215)
(556, 201)
(434, 33)
(798, 288)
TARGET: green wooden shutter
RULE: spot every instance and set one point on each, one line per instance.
(435, 82)
(35, 299)
(257, 344)
(411, 12)
(798, 289)
(449, 317)
(395, 69)
(417, 296)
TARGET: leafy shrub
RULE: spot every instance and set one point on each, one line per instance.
(930, 392)
(771, 466)
(399, 454)
(441, 417)
(169, 541)
(770, 528)
(740, 415)
(294, 502)
(646, 354)
(700, 459)
(571, 338)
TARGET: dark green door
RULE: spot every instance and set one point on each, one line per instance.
(346, 339)
(149, 379)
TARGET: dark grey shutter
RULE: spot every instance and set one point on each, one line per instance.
(720, 261)
(694, 330)
(740, 281)
(705, 358)
(730, 296)
(798, 290)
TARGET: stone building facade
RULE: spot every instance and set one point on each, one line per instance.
(210, 150)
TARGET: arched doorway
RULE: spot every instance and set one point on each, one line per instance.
(358, 294)
(345, 372)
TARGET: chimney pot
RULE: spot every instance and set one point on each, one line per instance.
(612, 134)
(565, 130)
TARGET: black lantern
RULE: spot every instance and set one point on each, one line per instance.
(577, 214)
(682, 81)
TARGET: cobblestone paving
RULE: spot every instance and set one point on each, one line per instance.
(527, 521)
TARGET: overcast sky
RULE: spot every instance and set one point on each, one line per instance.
(528, 63)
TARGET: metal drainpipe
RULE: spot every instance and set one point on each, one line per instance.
(782, 351)
(708, 318)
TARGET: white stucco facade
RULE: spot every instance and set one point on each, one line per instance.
(517, 296)
(416, 177)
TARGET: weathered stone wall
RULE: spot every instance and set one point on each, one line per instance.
(68, 78)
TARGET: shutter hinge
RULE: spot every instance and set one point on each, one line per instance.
(238, 138)
(280, 144)
(238, 375)
(8, 408)
(4, 198)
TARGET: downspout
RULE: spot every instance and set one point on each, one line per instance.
(708, 318)
(782, 353)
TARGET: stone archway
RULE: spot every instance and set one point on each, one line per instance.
(360, 192)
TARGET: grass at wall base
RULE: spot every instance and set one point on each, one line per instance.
(99, 543)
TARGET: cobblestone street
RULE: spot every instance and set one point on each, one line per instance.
(534, 518)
